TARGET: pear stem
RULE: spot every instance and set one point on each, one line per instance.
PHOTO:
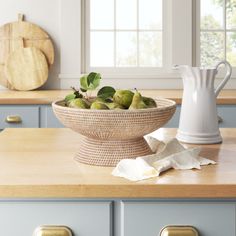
(73, 88)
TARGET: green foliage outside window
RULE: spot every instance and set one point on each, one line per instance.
(212, 43)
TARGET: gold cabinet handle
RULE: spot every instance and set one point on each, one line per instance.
(179, 231)
(52, 230)
(13, 119)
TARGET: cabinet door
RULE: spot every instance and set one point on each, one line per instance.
(28, 114)
(48, 119)
(174, 121)
(228, 115)
(148, 218)
(83, 218)
(226, 112)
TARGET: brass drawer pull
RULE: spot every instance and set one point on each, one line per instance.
(51, 230)
(14, 119)
(179, 231)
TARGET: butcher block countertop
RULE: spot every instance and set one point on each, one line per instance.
(48, 96)
(38, 163)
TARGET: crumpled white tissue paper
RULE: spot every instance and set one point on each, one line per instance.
(166, 156)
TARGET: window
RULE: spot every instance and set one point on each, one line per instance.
(141, 40)
(123, 36)
(217, 31)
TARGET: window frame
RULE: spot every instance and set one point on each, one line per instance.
(69, 50)
(114, 72)
(170, 54)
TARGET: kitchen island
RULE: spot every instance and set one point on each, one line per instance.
(41, 184)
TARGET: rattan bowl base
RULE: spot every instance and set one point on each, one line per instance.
(109, 153)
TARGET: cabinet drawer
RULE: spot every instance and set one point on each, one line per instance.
(28, 114)
(210, 219)
(83, 218)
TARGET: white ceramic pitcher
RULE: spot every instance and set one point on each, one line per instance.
(198, 118)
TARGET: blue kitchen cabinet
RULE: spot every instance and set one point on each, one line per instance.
(174, 122)
(227, 113)
(48, 119)
(117, 217)
(31, 116)
(85, 218)
(149, 217)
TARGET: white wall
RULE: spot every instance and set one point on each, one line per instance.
(46, 14)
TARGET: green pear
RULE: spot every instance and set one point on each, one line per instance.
(91, 100)
(113, 105)
(149, 102)
(137, 102)
(78, 103)
(98, 99)
(68, 98)
(123, 97)
(99, 106)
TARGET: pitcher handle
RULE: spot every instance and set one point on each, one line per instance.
(226, 78)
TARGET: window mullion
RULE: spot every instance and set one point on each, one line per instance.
(181, 32)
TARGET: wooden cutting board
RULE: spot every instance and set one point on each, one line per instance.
(33, 36)
(26, 68)
(18, 43)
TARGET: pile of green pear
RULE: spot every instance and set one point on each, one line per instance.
(107, 97)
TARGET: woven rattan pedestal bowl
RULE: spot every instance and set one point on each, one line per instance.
(107, 136)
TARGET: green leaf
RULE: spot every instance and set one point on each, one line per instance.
(106, 92)
(93, 80)
(84, 82)
(90, 81)
(83, 90)
(70, 97)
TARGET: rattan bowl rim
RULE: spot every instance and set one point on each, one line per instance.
(171, 105)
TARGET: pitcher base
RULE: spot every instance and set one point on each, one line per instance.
(199, 138)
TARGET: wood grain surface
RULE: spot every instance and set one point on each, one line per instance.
(39, 163)
(226, 97)
(33, 36)
(26, 68)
